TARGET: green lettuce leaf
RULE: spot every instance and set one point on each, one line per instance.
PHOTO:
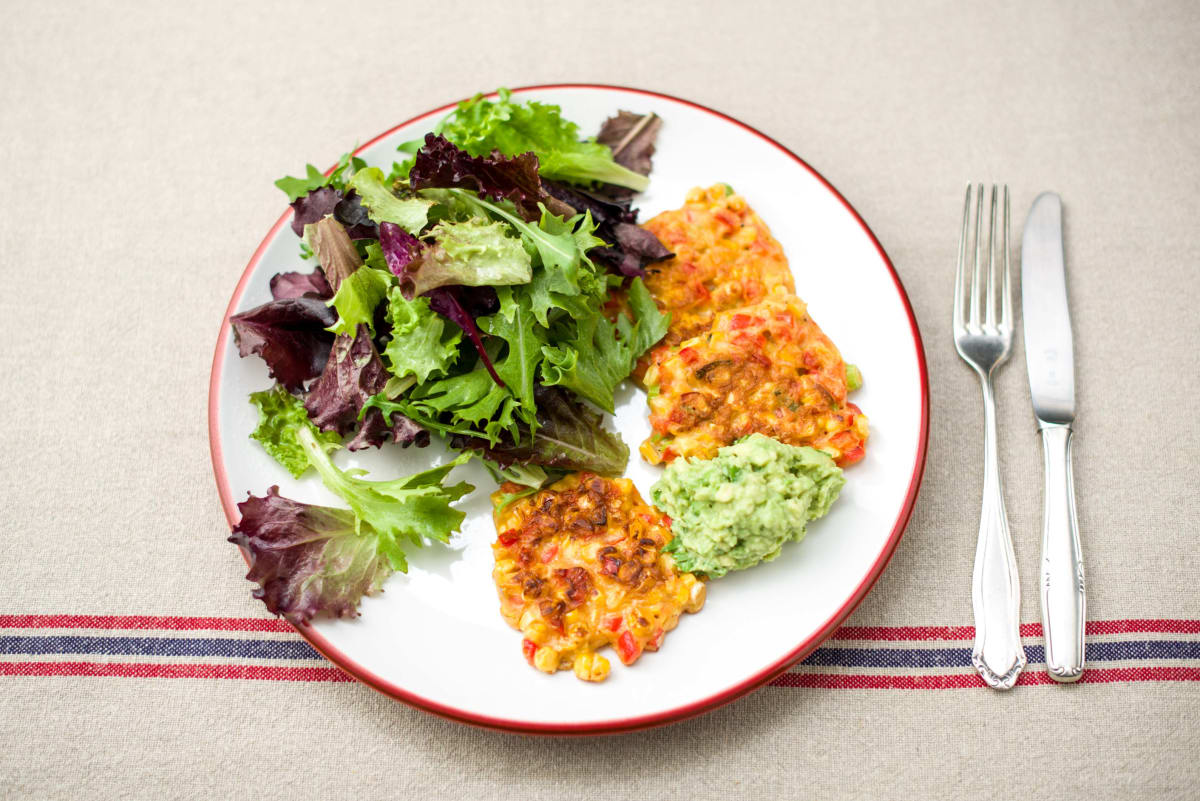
(570, 436)
(561, 244)
(357, 297)
(481, 125)
(410, 509)
(280, 416)
(411, 214)
(525, 339)
(296, 188)
(593, 356)
(650, 324)
(471, 404)
(469, 253)
(422, 344)
(590, 363)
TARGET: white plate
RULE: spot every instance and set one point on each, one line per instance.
(435, 637)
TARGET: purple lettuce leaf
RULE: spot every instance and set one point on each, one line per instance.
(351, 213)
(636, 248)
(308, 561)
(313, 207)
(603, 209)
(301, 285)
(445, 301)
(345, 208)
(353, 373)
(401, 251)
(289, 335)
(630, 248)
(478, 301)
(569, 436)
(637, 152)
(441, 165)
(375, 431)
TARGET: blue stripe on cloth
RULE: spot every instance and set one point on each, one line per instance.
(829, 656)
(889, 657)
(161, 646)
(961, 657)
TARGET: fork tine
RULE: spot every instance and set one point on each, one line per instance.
(1006, 294)
(978, 257)
(959, 320)
(990, 313)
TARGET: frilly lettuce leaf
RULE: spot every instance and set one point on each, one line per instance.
(309, 561)
(400, 250)
(569, 437)
(447, 301)
(593, 356)
(312, 561)
(469, 253)
(481, 125)
(280, 415)
(561, 246)
(410, 509)
(441, 165)
(356, 299)
(353, 373)
(628, 248)
(346, 208)
(410, 213)
(590, 363)
(422, 345)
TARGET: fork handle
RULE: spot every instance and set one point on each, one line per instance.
(1063, 599)
(995, 590)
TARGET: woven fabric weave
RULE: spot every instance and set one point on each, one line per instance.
(139, 142)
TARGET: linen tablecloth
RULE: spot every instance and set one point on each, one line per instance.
(139, 144)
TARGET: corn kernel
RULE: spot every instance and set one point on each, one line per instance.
(546, 660)
(591, 666)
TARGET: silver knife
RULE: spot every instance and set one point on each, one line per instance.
(1050, 357)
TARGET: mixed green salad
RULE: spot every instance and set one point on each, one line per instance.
(486, 290)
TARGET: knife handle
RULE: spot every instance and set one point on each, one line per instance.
(1063, 600)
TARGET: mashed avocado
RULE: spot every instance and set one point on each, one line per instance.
(738, 509)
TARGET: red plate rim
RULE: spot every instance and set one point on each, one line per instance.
(322, 645)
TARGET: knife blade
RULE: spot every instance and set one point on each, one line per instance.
(1049, 351)
(1050, 360)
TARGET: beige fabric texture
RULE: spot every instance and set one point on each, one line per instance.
(140, 142)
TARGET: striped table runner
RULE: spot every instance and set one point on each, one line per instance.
(854, 658)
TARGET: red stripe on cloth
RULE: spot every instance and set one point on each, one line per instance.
(829, 681)
(143, 622)
(153, 671)
(892, 633)
(880, 633)
(1140, 627)
(809, 680)
(1094, 627)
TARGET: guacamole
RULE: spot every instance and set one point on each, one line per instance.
(739, 508)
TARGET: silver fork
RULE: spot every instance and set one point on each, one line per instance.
(984, 343)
